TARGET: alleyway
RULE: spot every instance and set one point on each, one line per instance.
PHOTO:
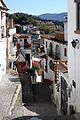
(41, 108)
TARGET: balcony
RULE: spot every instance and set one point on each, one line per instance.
(26, 45)
(12, 31)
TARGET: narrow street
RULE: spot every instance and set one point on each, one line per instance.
(40, 109)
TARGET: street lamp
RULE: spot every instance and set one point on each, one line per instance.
(75, 43)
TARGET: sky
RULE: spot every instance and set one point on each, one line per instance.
(37, 7)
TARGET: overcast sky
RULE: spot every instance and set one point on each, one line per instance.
(36, 7)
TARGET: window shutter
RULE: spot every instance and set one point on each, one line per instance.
(77, 1)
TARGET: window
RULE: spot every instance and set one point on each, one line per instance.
(51, 65)
(2, 31)
(46, 69)
(25, 41)
(78, 14)
(46, 44)
(65, 52)
(27, 57)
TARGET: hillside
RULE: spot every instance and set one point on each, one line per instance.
(55, 17)
(23, 19)
(45, 26)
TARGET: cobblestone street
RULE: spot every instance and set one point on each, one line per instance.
(40, 109)
(8, 87)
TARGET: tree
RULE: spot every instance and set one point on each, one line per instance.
(46, 28)
(19, 29)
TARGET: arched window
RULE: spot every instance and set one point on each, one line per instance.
(51, 65)
(51, 49)
(57, 52)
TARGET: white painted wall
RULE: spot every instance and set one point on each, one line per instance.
(50, 74)
(12, 31)
(26, 51)
(73, 56)
(2, 44)
(38, 77)
(2, 58)
(21, 42)
(62, 46)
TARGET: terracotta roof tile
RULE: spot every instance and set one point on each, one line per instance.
(21, 36)
(48, 36)
(59, 36)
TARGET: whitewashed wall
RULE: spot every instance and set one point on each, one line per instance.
(2, 45)
(21, 42)
(73, 56)
(2, 58)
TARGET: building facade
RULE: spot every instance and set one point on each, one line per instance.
(3, 38)
(74, 54)
(55, 69)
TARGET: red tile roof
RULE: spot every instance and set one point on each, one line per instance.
(59, 36)
(21, 36)
(48, 36)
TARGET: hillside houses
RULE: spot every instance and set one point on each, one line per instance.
(23, 44)
(54, 56)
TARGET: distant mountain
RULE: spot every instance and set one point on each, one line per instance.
(56, 16)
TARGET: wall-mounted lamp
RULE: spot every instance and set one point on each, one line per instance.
(75, 43)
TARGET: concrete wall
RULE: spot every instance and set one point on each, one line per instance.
(73, 57)
(2, 58)
(2, 44)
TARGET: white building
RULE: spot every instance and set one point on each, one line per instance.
(55, 68)
(55, 49)
(74, 54)
(23, 44)
(3, 38)
(11, 49)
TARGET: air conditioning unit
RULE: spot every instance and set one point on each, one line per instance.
(75, 116)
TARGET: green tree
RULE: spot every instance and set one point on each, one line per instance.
(46, 28)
